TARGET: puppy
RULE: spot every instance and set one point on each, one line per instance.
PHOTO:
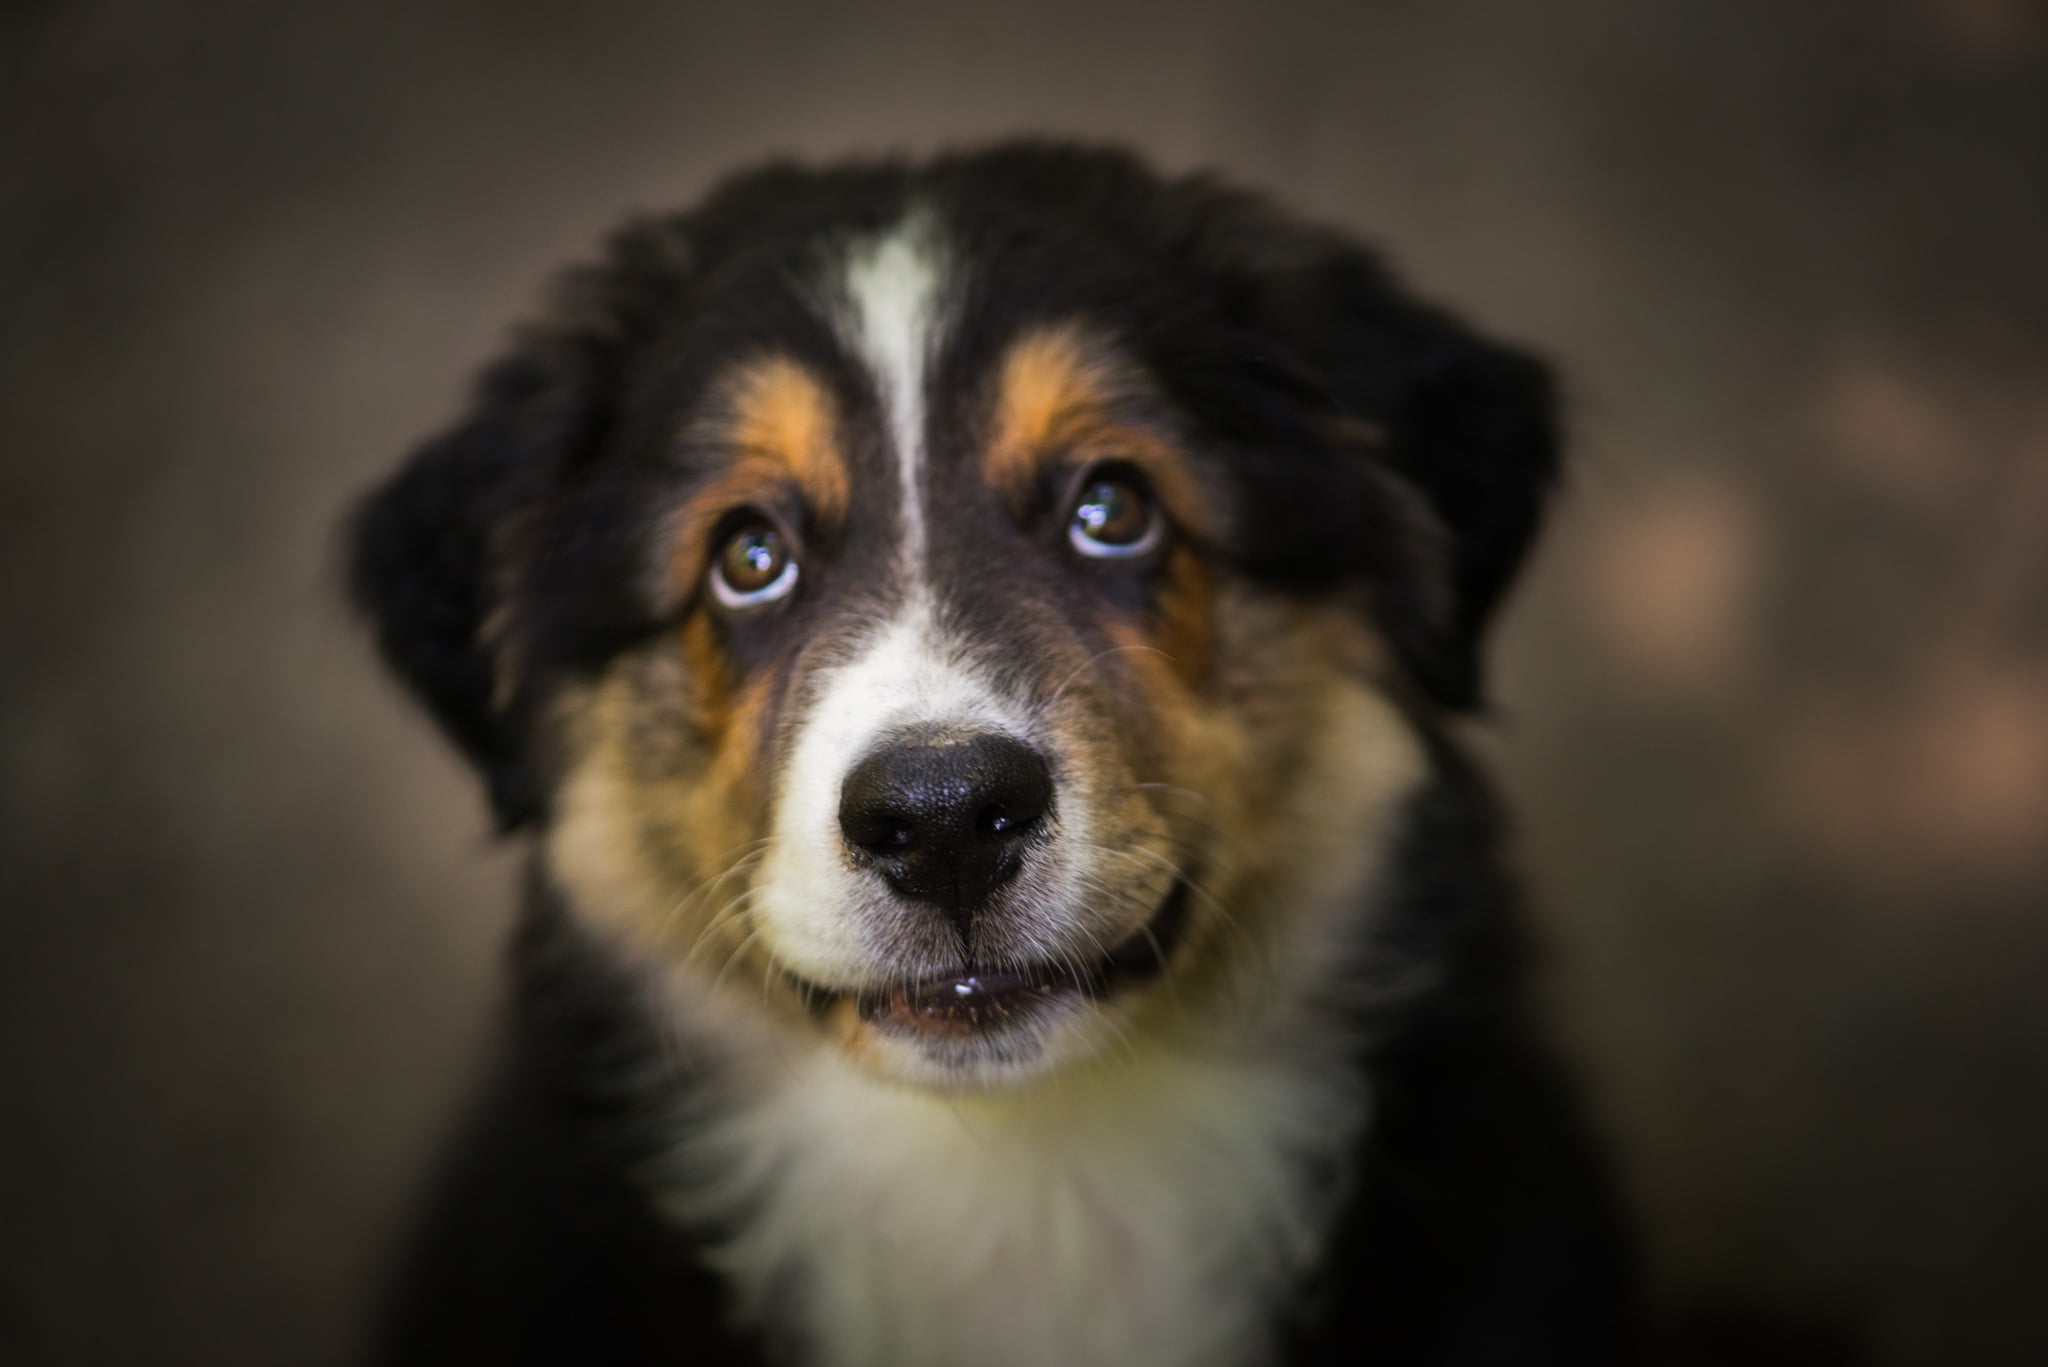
(972, 646)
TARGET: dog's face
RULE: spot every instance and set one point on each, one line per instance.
(960, 613)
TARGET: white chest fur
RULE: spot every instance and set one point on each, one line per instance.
(1148, 1210)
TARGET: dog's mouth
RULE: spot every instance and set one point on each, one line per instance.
(976, 1002)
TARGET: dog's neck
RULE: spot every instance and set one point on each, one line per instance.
(1154, 1206)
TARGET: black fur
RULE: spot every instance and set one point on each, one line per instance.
(1372, 447)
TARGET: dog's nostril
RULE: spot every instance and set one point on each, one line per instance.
(882, 835)
(1011, 820)
(893, 835)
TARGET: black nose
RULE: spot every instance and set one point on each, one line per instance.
(944, 814)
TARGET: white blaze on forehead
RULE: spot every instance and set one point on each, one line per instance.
(905, 671)
(892, 283)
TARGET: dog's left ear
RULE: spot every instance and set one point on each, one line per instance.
(442, 554)
(1457, 433)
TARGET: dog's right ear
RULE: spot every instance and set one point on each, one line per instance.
(436, 554)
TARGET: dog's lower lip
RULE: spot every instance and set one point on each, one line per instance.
(979, 1001)
(965, 1004)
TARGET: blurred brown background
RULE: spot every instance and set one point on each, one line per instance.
(1775, 700)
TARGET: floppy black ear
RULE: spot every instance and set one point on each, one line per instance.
(1465, 427)
(438, 554)
(427, 565)
(1474, 428)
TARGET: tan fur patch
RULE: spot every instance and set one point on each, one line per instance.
(1056, 400)
(666, 803)
(1046, 396)
(782, 411)
(1185, 619)
(730, 799)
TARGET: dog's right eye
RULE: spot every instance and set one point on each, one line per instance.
(754, 564)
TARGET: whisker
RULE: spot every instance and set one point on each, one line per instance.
(1091, 661)
(733, 958)
(1077, 973)
(738, 858)
(732, 911)
(1194, 884)
(1118, 1045)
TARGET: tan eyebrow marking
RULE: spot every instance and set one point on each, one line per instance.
(781, 411)
(1056, 397)
(780, 426)
(1048, 394)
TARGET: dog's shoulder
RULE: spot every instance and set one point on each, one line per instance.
(1485, 1226)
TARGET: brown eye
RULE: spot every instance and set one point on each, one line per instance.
(754, 565)
(1115, 518)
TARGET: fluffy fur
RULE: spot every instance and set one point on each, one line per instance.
(1227, 1060)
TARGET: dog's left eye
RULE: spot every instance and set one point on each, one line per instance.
(754, 564)
(1115, 518)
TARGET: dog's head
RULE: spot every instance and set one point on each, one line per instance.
(955, 609)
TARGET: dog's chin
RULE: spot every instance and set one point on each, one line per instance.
(983, 1028)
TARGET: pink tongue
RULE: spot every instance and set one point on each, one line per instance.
(956, 1006)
